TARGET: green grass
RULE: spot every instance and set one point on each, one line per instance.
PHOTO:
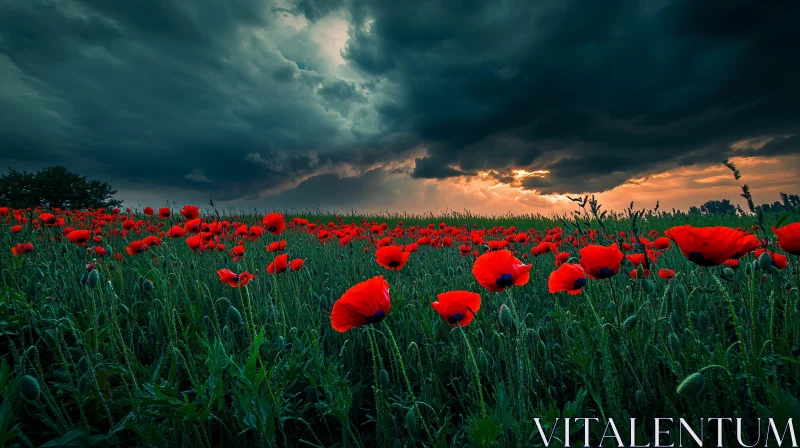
(194, 362)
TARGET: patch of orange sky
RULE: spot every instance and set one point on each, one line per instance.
(679, 188)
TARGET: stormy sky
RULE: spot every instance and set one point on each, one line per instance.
(494, 106)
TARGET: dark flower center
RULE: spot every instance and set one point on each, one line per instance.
(455, 318)
(272, 229)
(236, 277)
(50, 220)
(505, 280)
(698, 258)
(605, 273)
(394, 264)
(376, 318)
(579, 283)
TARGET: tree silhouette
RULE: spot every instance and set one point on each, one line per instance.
(54, 187)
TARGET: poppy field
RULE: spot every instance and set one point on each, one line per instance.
(191, 326)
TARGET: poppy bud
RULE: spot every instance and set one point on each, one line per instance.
(641, 399)
(764, 261)
(674, 344)
(692, 385)
(83, 364)
(93, 278)
(630, 323)
(556, 349)
(484, 360)
(226, 332)
(85, 384)
(39, 274)
(748, 268)
(773, 270)
(640, 271)
(551, 369)
(411, 420)
(648, 286)
(147, 286)
(506, 320)
(541, 348)
(703, 320)
(383, 376)
(728, 273)
(122, 309)
(693, 317)
(234, 315)
(680, 291)
(29, 388)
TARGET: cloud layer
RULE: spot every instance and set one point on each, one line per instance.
(310, 102)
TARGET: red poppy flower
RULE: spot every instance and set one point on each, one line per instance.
(16, 229)
(277, 246)
(176, 232)
(274, 223)
(296, 264)
(151, 241)
(789, 238)
(148, 211)
(365, 303)
(500, 269)
(163, 213)
(600, 262)
(711, 246)
(635, 274)
(392, 257)
(190, 212)
(457, 307)
(237, 253)
(22, 248)
(233, 279)
(255, 232)
(3, 211)
(280, 264)
(666, 273)
(135, 247)
(80, 237)
(635, 259)
(569, 277)
(778, 260)
(562, 257)
(98, 250)
(732, 263)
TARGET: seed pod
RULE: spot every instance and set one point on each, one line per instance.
(641, 400)
(411, 420)
(383, 376)
(93, 279)
(550, 369)
(29, 388)
(764, 261)
(630, 323)
(674, 343)
(147, 286)
(504, 315)
(234, 316)
(680, 292)
(692, 385)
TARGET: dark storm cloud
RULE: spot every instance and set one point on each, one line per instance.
(595, 92)
(246, 98)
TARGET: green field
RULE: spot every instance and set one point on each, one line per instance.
(154, 350)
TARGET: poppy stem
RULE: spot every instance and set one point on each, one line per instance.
(408, 384)
(378, 388)
(477, 372)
